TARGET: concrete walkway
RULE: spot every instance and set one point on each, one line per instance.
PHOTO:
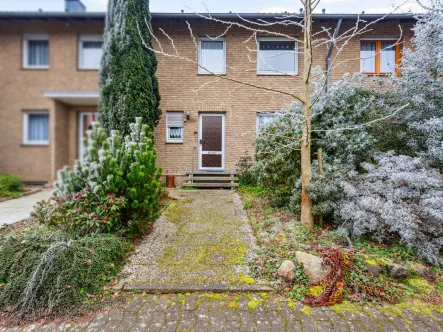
(19, 208)
(246, 313)
(201, 240)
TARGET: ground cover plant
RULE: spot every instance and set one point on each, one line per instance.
(10, 185)
(280, 236)
(46, 275)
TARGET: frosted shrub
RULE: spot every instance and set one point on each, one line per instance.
(400, 196)
(421, 85)
(346, 104)
(125, 168)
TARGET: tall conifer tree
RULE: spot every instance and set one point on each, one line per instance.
(129, 87)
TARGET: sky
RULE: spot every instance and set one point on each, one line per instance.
(223, 6)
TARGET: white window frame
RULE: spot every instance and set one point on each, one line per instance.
(26, 39)
(262, 114)
(272, 72)
(175, 140)
(86, 38)
(26, 140)
(201, 71)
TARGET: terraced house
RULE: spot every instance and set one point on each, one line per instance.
(49, 64)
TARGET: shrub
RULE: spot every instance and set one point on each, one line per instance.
(399, 197)
(82, 213)
(124, 168)
(10, 185)
(46, 275)
(245, 170)
(128, 85)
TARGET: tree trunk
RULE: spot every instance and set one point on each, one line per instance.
(306, 217)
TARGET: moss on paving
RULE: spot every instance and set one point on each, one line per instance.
(208, 244)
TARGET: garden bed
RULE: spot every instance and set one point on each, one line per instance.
(281, 236)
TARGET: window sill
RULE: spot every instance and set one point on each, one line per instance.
(211, 74)
(35, 68)
(88, 69)
(181, 142)
(278, 74)
(24, 145)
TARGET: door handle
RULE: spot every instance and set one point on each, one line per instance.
(202, 141)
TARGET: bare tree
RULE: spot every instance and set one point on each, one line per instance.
(309, 94)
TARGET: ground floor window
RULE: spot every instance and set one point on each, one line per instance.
(36, 127)
(174, 127)
(263, 118)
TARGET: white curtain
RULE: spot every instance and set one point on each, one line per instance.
(38, 53)
(174, 122)
(91, 54)
(367, 55)
(387, 57)
(277, 57)
(38, 127)
(212, 56)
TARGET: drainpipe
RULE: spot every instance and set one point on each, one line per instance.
(328, 58)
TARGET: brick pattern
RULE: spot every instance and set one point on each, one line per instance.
(23, 90)
(200, 313)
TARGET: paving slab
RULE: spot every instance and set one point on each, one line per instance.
(19, 209)
(198, 244)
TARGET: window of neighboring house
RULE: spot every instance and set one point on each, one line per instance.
(379, 56)
(277, 56)
(36, 51)
(212, 56)
(263, 119)
(90, 52)
(36, 128)
(174, 127)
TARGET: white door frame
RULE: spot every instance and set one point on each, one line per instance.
(201, 152)
(80, 132)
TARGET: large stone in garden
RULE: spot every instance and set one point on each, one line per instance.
(375, 270)
(398, 271)
(424, 272)
(286, 270)
(312, 266)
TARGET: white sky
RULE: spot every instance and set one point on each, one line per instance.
(220, 6)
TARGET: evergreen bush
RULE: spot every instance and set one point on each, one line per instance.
(46, 275)
(128, 85)
(397, 197)
(124, 168)
(82, 213)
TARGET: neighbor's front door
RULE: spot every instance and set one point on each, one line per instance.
(85, 122)
(211, 142)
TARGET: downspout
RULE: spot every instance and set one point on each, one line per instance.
(328, 58)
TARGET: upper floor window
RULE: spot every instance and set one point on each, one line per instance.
(263, 118)
(212, 56)
(379, 56)
(174, 127)
(36, 127)
(90, 52)
(36, 51)
(277, 56)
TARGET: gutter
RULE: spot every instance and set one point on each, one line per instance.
(328, 58)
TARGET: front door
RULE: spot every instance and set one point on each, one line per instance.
(211, 142)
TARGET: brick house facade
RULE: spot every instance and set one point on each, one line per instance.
(64, 94)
